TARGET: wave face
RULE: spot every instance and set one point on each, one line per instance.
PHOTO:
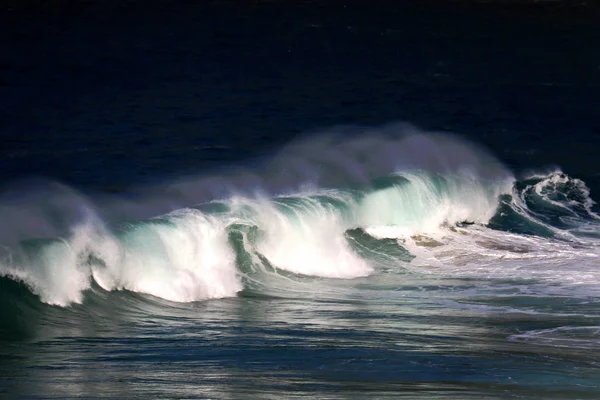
(390, 200)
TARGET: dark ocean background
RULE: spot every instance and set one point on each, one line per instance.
(279, 199)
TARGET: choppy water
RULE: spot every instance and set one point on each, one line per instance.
(361, 261)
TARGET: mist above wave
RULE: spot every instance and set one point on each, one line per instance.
(301, 201)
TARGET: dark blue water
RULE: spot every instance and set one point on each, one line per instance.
(272, 199)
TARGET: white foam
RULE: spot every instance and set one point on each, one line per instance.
(186, 256)
(186, 259)
(558, 267)
(56, 277)
(427, 202)
(305, 237)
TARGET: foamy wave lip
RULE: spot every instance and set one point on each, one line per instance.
(426, 202)
(56, 277)
(305, 236)
(185, 259)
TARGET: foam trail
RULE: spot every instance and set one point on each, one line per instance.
(546, 231)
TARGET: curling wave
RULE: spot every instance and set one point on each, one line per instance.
(345, 209)
(188, 255)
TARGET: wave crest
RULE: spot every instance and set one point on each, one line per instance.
(309, 196)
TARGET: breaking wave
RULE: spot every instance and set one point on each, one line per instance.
(390, 199)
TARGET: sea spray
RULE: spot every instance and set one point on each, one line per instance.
(300, 207)
(423, 202)
(305, 235)
(183, 256)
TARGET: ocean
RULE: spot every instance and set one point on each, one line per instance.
(291, 199)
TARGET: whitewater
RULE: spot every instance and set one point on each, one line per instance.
(420, 242)
(214, 200)
(443, 201)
